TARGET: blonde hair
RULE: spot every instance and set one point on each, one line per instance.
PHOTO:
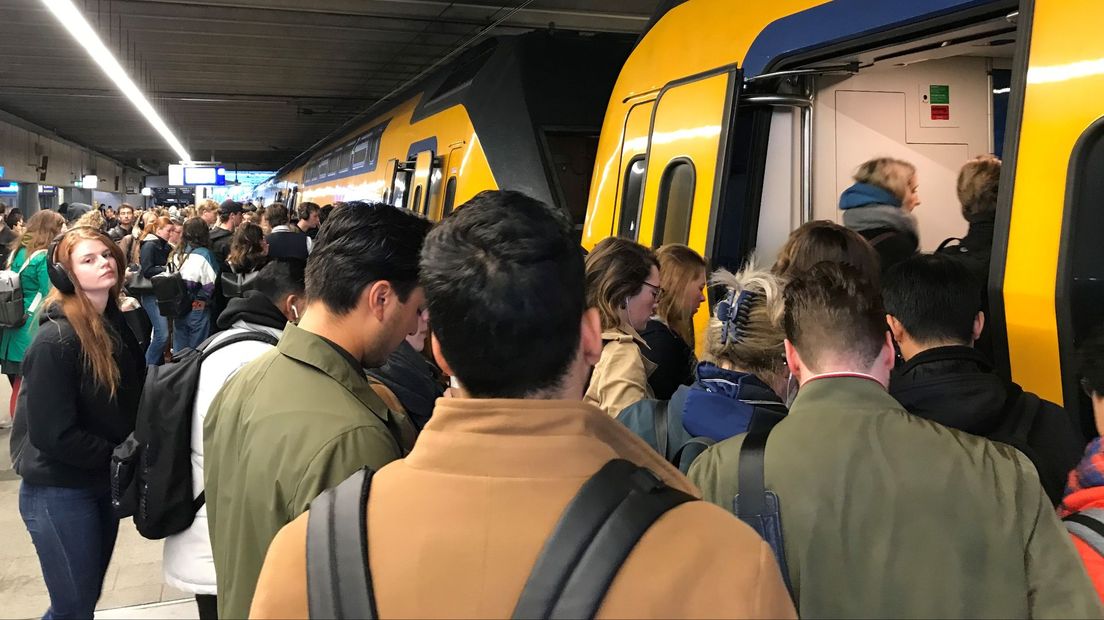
(977, 186)
(757, 347)
(96, 342)
(678, 267)
(38, 232)
(892, 175)
(92, 219)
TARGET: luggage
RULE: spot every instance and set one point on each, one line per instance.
(151, 472)
(572, 573)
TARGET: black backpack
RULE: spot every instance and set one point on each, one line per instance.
(151, 472)
(594, 535)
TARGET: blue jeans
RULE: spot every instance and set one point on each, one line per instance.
(190, 330)
(155, 354)
(74, 532)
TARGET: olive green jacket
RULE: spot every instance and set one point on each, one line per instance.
(291, 424)
(885, 514)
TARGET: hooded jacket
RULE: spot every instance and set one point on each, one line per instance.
(154, 255)
(189, 564)
(66, 424)
(1085, 493)
(955, 386)
(413, 380)
(877, 215)
(718, 405)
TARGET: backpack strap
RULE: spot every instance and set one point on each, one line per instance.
(659, 420)
(592, 539)
(251, 335)
(1021, 409)
(880, 238)
(1088, 525)
(947, 242)
(11, 259)
(339, 582)
(754, 505)
(691, 450)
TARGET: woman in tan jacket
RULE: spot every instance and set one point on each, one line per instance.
(622, 282)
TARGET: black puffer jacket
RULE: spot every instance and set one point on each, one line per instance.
(66, 424)
(955, 386)
(414, 381)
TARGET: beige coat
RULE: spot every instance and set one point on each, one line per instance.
(621, 376)
(455, 528)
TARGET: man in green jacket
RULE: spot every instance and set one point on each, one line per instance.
(304, 417)
(885, 514)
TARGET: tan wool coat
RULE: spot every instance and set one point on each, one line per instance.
(621, 376)
(455, 528)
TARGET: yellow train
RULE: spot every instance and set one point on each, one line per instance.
(519, 112)
(734, 122)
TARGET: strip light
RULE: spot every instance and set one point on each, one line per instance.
(70, 17)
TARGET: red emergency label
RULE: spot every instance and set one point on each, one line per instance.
(941, 112)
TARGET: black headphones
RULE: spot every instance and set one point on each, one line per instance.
(59, 274)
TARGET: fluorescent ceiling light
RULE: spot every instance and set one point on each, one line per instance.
(70, 17)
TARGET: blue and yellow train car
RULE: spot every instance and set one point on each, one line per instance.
(732, 123)
(521, 112)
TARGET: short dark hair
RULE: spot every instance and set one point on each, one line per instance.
(833, 309)
(306, 209)
(196, 234)
(504, 283)
(935, 298)
(281, 278)
(126, 206)
(363, 243)
(276, 214)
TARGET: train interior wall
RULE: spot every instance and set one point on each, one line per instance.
(893, 111)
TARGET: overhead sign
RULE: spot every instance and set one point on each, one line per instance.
(181, 175)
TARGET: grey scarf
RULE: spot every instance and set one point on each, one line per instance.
(872, 217)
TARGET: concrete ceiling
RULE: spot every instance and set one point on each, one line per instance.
(252, 82)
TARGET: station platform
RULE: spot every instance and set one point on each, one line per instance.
(134, 587)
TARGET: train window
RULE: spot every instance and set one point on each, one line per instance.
(360, 154)
(1081, 281)
(450, 196)
(676, 202)
(416, 205)
(630, 198)
(346, 158)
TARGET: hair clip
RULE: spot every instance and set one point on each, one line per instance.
(734, 313)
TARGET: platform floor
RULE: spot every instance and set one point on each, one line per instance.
(134, 587)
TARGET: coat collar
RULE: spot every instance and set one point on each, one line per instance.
(842, 392)
(522, 438)
(310, 349)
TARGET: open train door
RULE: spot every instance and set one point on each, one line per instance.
(1050, 283)
(683, 162)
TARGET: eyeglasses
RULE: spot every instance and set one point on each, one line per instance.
(656, 291)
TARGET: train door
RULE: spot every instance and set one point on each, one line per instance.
(630, 191)
(420, 182)
(688, 122)
(1055, 223)
(451, 168)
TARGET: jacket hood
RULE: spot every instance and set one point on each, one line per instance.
(724, 403)
(954, 386)
(863, 194)
(254, 308)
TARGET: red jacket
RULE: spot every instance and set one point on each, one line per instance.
(1092, 497)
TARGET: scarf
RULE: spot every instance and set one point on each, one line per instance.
(1089, 473)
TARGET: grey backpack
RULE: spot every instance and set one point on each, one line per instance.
(12, 312)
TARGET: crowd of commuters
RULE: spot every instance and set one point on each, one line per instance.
(493, 378)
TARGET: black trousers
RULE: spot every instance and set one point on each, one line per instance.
(208, 606)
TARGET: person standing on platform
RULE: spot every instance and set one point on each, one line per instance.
(309, 219)
(230, 215)
(123, 224)
(28, 257)
(199, 271)
(411, 377)
(268, 308)
(154, 260)
(283, 242)
(670, 333)
(7, 235)
(208, 212)
(82, 380)
(269, 449)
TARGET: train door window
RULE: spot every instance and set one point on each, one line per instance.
(630, 198)
(737, 222)
(1081, 270)
(416, 204)
(675, 205)
(450, 197)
